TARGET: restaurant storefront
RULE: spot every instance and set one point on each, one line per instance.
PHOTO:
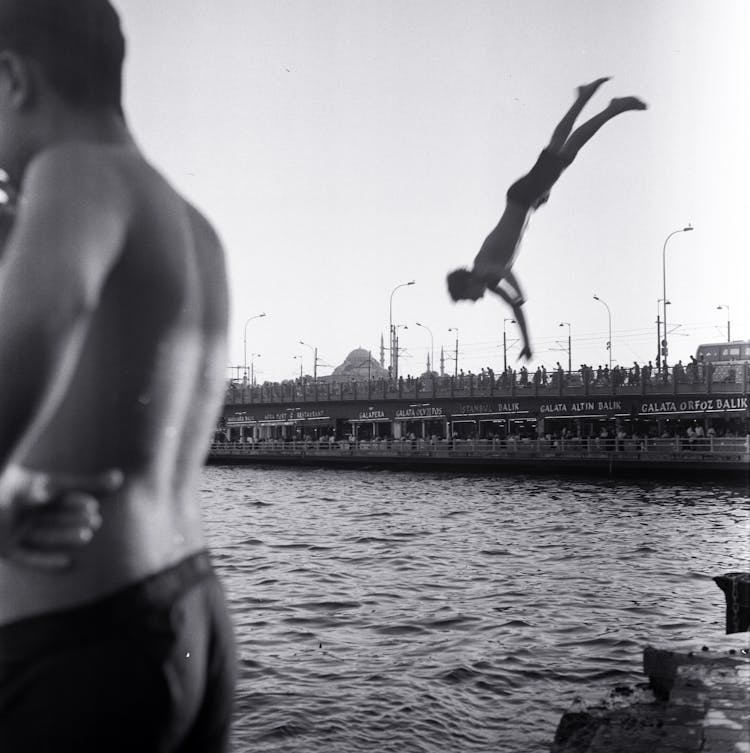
(522, 417)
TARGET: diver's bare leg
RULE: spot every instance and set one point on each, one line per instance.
(584, 132)
(565, 126)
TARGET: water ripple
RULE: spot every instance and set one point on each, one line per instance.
(421, 612)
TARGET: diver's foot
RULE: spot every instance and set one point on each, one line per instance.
(588, 90)
(623, 104)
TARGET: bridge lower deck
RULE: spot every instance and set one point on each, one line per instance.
(721, 459)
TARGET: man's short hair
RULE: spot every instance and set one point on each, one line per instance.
(77, 43)
(459, 283)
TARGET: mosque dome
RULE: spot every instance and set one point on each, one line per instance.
(360, 364)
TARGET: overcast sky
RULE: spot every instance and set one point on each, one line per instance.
(342, 147)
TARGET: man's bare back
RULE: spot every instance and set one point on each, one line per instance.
(499, 250)
(113, 317)
(151, 351)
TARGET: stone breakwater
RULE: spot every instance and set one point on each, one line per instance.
(697, 699)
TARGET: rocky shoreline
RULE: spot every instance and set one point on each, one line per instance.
(697, 698)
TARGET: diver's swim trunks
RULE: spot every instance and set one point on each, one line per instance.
(539, 180)
(149, 669)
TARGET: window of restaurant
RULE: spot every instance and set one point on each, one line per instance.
(365, 430)
(383, 429)
(464, 428)
(522, 428)
(492, 428)
(435, 428)
(413, 428)
(314, 429)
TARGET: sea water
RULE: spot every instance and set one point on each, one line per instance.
(430, 612)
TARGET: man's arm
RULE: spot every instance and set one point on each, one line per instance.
(70, 227)
(516, 303)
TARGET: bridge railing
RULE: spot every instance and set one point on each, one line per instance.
(719, 379)
(732, 449)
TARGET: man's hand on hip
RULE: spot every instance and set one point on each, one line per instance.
(45, 517)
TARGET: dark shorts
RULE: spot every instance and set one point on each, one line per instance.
(149, 669)
(539, 180)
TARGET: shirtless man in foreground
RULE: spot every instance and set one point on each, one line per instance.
(114, 634)
(493, 264)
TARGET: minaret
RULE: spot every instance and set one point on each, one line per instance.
(442, 361)
(382, 352)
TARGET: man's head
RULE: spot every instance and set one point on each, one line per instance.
(464, 285)
(70, 50)
(77, 45)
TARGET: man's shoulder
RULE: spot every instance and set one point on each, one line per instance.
(74, 158)
(202, 225)
(75, 173)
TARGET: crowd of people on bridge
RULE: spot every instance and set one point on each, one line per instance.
(695, 372)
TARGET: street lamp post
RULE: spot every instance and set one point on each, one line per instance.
(658, 332)
(315, 362)
(665, 345)
(609, 319)
(391, 331)
(570, 359)
(253, 356)
(505, 344)
(729, 326)
(455, 329)
(396, 346)
(300, 364)
(432, 346)
(257, 316)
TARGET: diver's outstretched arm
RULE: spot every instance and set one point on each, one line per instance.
(516, 303)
